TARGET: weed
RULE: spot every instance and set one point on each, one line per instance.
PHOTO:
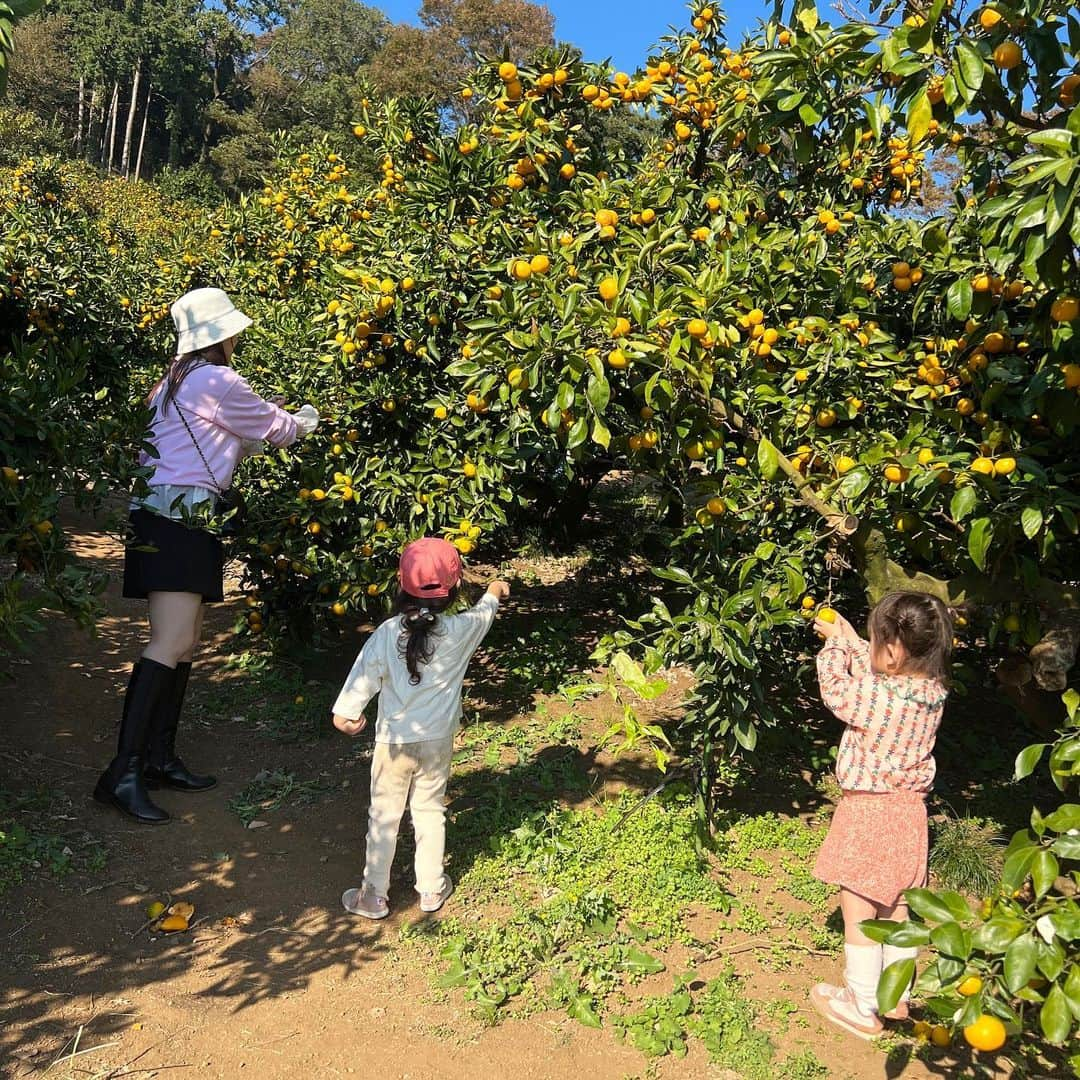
(780, 1012)
(272, 790)
(737, 847)
(966, 855)
(27, 846)
(274, 700)
(719, 1015)
(804, 1066)
(751, 921)
(802, 884)
(590, 890)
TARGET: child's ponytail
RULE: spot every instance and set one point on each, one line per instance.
(419, 618)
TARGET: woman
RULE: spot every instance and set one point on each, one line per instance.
(205, 418)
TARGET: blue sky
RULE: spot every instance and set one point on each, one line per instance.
(623, 30)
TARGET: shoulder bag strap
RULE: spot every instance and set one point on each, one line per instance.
(195, 442)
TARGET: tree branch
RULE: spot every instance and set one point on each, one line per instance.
(845, 524)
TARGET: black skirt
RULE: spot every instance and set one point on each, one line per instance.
(163, 555)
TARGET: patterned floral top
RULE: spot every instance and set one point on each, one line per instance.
(892, 720)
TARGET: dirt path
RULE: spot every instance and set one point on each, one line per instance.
(277, 981)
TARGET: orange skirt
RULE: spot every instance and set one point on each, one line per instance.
(877, 845)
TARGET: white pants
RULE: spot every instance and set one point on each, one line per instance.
(415, 774)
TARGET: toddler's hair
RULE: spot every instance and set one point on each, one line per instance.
(922, 624)
(418, 620)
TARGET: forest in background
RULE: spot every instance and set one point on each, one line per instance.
(192, 93)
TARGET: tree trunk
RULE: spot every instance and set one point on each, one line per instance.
(208, 125)
(142, 137)
(114, 109)
(175, 114)
(91, 123)
(125, 159)
(103, 127)
(82, 113)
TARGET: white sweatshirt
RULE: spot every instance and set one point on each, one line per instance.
(432, 708)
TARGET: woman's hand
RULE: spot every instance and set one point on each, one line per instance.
(349, 727)
(837, 626)
(307, 419)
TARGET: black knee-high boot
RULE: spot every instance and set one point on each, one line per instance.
(163, 767)
(121, 784)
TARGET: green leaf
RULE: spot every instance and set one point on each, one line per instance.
(807, 14)
(600, 433)
(1027, 759)
(1064, 818)
(972, 66)
(855, 483)
(1044, 872)
(1057, 141)
(1016, 868)
(1068, 847)
(963, 502)
(958, 300)
(1031, 521)
(455, 975)
(1055, 1017)
(951, 940)
(1021, 958)
(598, 393)
(993, 937)
(928, 906)
(1071, 698)
(920, 113)
(979, 536)
(895, 979)
(582, 1010)
(637, 961)
(578, 433)
(1072, 989)
(809, 115)
(767, 458)
(745, 732)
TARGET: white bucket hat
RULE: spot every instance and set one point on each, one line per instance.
(204, 317)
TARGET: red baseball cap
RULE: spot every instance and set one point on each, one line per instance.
(429, 568)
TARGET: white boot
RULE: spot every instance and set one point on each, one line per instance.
(893, 954)
(853, 1006)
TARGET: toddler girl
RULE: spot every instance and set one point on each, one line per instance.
(890, 693)
(415, 661)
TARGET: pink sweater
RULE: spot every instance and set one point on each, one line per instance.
(222, 411)
(892, 720)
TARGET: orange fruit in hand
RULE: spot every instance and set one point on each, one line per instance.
(826, 614)
(987, 1033)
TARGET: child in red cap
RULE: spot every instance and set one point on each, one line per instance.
(416, 663)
